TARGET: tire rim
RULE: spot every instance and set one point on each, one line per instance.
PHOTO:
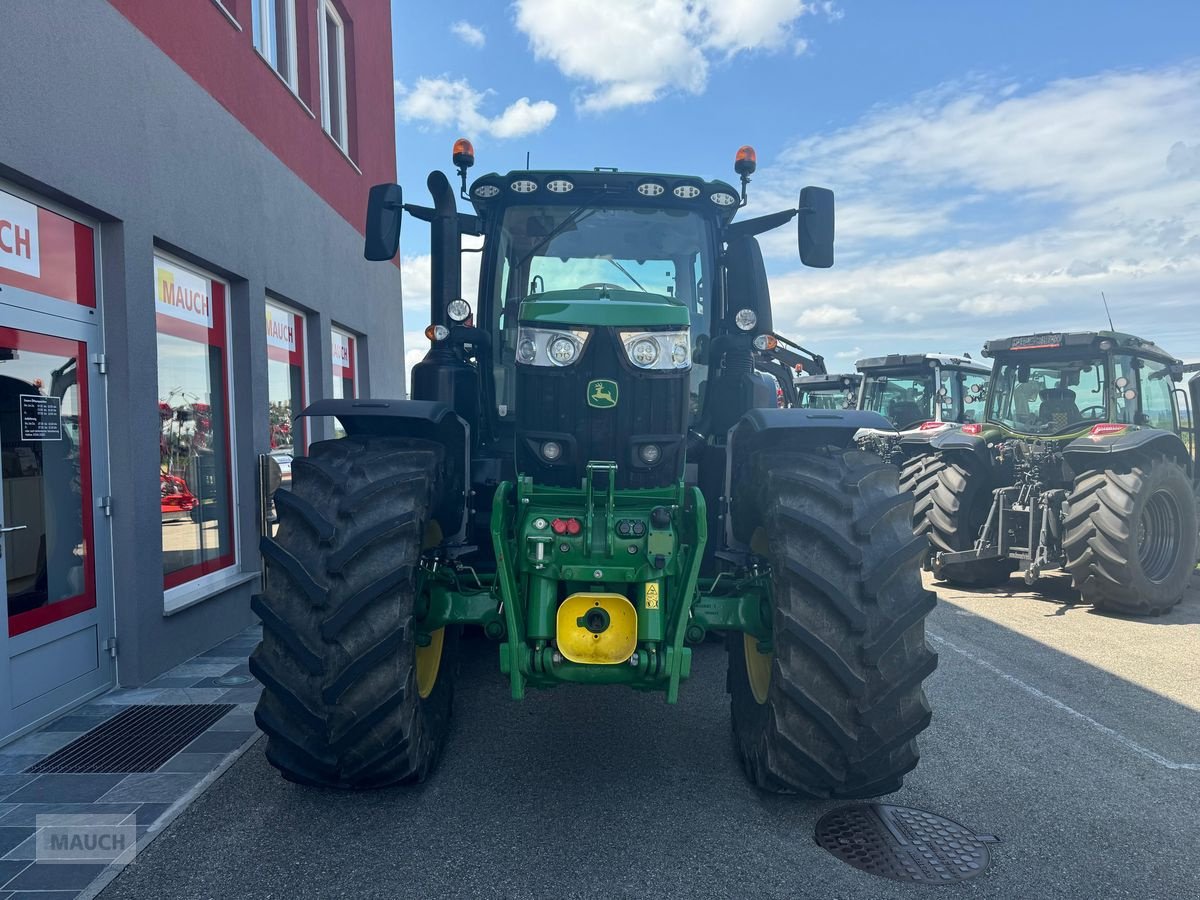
(428, 661)
(758, 668)
(1158, 534)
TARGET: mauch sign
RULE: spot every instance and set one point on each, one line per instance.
(41, 418)
(19, 236)
(281, 329)
(182, 294)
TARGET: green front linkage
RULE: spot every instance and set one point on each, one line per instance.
(536, 567)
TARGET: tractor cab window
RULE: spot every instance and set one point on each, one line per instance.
(541, 249)
(905, 399)
(1157, 395)
(827, 398)
(1051, 397)
(972, 389)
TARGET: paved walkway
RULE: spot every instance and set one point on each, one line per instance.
(135, 803)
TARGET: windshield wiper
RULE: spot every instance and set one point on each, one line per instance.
(573, 219)
(625, 272)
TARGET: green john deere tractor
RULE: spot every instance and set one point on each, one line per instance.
(594, 471)
(1079, 464)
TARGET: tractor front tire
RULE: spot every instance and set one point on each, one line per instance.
(833, 706)
(1130, 537)
(349, 700)
(956, 508)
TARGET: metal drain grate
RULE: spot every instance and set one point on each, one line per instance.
(904, 844)
(138, 739)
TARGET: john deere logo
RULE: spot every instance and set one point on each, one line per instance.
(602, 393)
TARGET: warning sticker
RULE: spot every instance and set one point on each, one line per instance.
(41, 418)
(652, 595)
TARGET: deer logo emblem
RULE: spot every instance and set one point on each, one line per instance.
(602, 394)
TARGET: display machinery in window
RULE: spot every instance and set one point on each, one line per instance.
(195, 439)
(286, 385)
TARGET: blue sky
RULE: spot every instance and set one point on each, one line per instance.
(997, 165)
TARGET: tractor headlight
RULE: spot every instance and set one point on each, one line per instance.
(658, 349)
(458, 310)
(550, 347)
(745, 319)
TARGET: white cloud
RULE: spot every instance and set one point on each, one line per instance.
(826, 316)
(469, 34)
(445, 103)
(628, 52)
(979, 209)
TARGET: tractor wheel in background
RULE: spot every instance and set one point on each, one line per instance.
(1130, 537)
(957, 508)
(349, 700)
(919, 474)
(833, 706)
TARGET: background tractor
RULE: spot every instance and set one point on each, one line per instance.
(595, 471)
(1079, 464)
(827, 391)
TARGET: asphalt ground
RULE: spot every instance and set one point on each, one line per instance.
(1071, 735)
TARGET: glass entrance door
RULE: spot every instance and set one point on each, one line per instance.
(52, 571)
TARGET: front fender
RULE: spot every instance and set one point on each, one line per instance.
(1097, 451)
(427, 420)
(789, 429)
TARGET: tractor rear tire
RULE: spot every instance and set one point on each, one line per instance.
(348, 699)
(1130, 537)
(920, 476)
(833, 710)
(957, 508)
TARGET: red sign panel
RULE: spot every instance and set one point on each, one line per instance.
(46, 253)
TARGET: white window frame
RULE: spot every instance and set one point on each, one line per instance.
(189, 593)
(325, 12)
(291, 76)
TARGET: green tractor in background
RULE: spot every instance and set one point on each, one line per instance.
(596, 473)
(1080, 463)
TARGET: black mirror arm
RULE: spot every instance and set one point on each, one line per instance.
(760, 224)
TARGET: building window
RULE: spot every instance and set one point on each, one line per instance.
(345, 371)
(274, 28)
(195, 441)
(286, 379)
(333, 74)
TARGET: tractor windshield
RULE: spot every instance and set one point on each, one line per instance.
(904, 398)
(551, 247)
(1055, 396)
(826, 398)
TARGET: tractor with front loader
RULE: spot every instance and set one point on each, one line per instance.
(595, 471)
(1080, 463)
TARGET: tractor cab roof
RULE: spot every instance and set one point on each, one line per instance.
(895, 361)
(605, 187)
(827, 382)
(1075, 343)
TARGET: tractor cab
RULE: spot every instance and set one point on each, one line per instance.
(830, 391)
(922, 391)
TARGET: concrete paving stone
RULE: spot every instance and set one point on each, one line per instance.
(192, 762)
(56, 877)
(218, 742)
(235, 721)
(12, 764)
(199, 669)
(76, 724)
(43, 742)
(149, 813)
(27, 813)
(228, 661)
(10, 868)
(12, 836)
(171, 681)
(152, 787)
(43, 895)
(26, 850)
(188, 695)
(129, 697)
(214, 681)
(247, 694)
(10, 783)
(97, 711)
(55, 788)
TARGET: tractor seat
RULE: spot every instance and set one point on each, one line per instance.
(1058, 407)
(905, 412)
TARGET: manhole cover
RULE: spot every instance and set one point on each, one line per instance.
(233, 680)
(904, 844)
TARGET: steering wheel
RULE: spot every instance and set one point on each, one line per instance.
(1087, 409)
(601, 286)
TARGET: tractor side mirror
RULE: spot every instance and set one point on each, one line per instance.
(815, 226)
(385, 204)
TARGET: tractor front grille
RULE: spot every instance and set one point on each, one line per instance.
(552, 405)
